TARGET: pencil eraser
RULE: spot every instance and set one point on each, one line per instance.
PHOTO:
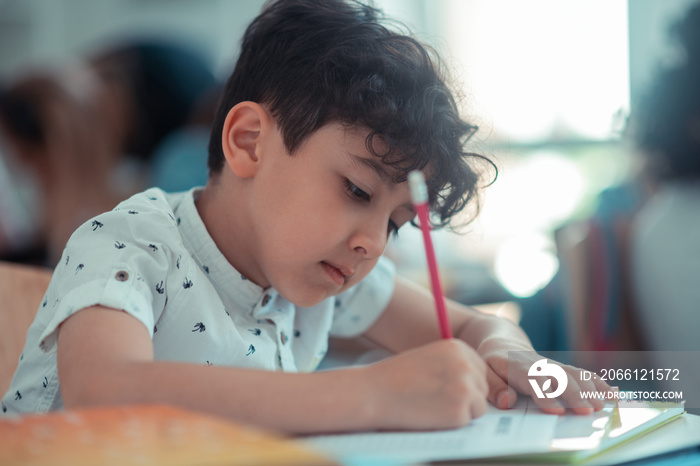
(419, 190)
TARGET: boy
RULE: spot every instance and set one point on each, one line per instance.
(221, 299)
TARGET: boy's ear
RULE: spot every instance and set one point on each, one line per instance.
(241, 139)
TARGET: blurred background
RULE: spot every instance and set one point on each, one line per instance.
(551, 84)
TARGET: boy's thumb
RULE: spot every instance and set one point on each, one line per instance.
(500, 394)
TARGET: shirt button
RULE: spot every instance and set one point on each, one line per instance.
(122, 276)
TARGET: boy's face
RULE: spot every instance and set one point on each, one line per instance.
(322, 216)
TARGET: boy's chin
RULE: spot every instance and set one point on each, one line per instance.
(306, 299)
(307, 302)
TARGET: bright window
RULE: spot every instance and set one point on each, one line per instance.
(547, 81)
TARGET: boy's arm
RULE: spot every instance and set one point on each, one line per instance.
(410, 320)
(105, 356)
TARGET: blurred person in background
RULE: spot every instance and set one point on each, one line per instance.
(665, 235)
(666, 231)
(179, 160)
(76, 140)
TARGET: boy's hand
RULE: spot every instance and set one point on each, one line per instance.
(439, 385)
(503, 383)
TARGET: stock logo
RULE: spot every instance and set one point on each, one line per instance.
(543, 368)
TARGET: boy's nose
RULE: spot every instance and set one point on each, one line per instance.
(370, 240)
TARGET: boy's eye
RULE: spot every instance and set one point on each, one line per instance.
(355, 192)
(392, 229)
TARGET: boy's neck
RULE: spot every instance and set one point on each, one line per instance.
(232, 234)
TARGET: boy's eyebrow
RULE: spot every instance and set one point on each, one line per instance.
(377, 167)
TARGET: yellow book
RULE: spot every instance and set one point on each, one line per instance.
(142, 434)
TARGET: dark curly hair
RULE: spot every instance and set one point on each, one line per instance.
(313, 62)
(666, 124)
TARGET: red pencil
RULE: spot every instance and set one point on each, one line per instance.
(419, 196)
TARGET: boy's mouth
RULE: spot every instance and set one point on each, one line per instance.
(338, 274)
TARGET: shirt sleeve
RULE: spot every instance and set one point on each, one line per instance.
(359, 307)
(119, 260)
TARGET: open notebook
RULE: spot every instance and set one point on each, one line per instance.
(523, 433)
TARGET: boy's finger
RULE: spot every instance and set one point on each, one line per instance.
(598, 387)
(550, 405)
(500, 394)
(573, 399)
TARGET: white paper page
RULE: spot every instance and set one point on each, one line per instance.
(497, 433)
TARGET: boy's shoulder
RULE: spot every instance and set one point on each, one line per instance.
(148, 216)
(152, 200)
(153, 204)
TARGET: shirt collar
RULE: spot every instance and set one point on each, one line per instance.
(231, 285)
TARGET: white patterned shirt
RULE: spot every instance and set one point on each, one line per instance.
(153, 258)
